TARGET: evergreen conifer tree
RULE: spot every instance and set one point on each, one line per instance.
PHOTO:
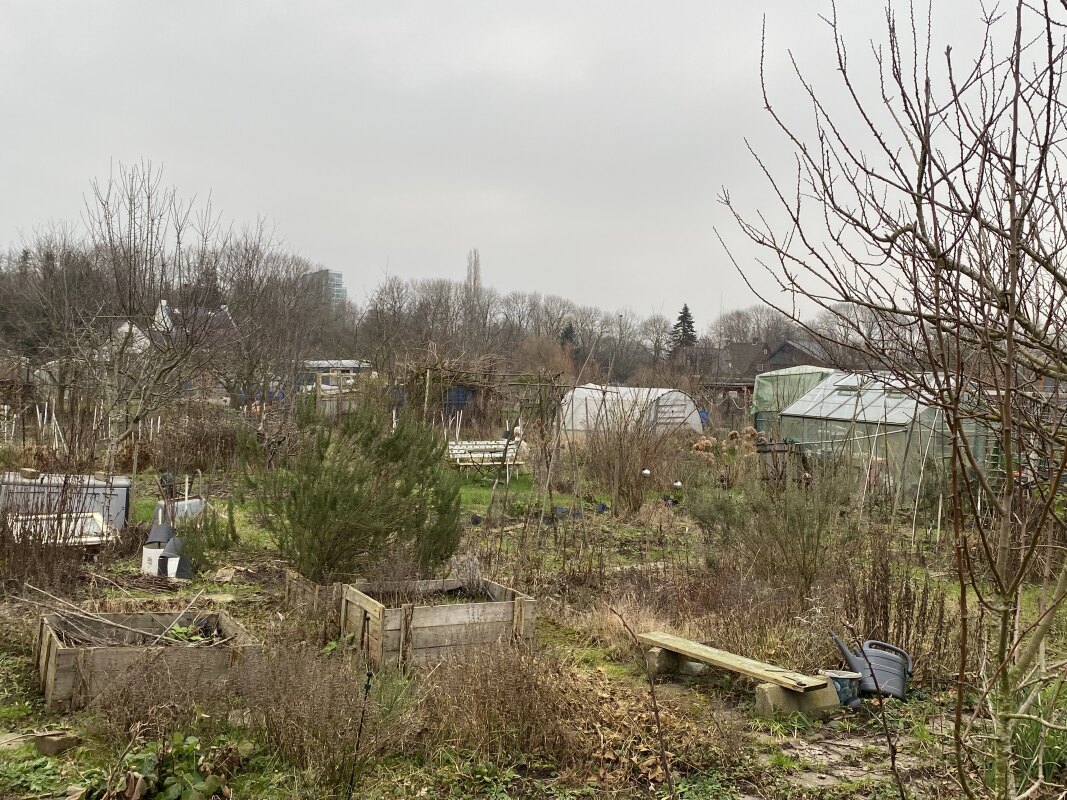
(684, 332)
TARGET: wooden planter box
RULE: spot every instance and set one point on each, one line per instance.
(312, 600)
(72, 676)
(426, 634)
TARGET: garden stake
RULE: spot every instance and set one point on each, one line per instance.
(359, 735)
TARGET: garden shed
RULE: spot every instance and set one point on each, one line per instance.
(591, 406)
(777, 390)
(872, 423)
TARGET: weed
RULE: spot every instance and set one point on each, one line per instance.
(781, 760)
(36, 775)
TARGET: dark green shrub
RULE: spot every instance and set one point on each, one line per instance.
(347, 495)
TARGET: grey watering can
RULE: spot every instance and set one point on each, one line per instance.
(884, 668)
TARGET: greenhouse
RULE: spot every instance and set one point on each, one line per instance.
(591, 407)
(777, 390)
(871, 423)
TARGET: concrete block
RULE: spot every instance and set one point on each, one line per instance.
(660, 662)
(776, 701)
(52, 743)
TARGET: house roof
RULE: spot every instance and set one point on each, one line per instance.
(814, 350)
(337, 363)
(196, 317)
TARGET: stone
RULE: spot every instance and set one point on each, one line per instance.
(691, 668)
(52, 743)
(776, 701)
(659, 661)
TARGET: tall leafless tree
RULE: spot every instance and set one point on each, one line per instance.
(935, 210)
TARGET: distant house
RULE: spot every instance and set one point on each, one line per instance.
(332, 374)
(173, 326)
(748, 359)
(796, 353)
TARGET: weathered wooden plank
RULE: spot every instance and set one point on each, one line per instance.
(60, 678)
(354, 594)
(312, 599)
(758, 670)
(501, 593)
(466, 613)
(525, 619)
(454, 635)
(233, 630)
(430, 616)
(433, 655)
(407, 587)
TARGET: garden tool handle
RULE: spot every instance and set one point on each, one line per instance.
(891, 648)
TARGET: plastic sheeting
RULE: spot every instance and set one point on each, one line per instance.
(775, 391)
(591, 406)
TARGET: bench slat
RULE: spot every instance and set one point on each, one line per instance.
(759, 670)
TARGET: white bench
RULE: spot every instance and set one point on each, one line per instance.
(493, 453)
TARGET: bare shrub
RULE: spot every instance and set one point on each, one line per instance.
(887, 596)
(308, 706)
(625, 442)
(38, 540)
(196, 438)
(518, 701)
(509, 703)
(159, 702)
(604, 628)
(729, 606)
(786, 533)
(723, 606)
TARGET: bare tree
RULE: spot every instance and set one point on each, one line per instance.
(936, 213)
(656, 338)
(271, 305)
(139, 350)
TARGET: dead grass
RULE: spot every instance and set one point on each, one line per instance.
(604, 628)
(590, 727)
(307, 706)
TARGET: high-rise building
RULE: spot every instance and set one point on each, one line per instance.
(332, 284)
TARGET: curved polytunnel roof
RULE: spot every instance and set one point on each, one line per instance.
(858, 398)
(585, 406)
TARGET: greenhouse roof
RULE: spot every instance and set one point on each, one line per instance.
(858, 398)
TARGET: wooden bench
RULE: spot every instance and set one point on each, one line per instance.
(676, 648)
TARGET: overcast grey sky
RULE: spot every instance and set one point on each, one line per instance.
(579, 146)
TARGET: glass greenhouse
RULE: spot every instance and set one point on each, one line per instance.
(777, 390)
(871, 423)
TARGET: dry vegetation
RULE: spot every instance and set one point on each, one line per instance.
(755, 567)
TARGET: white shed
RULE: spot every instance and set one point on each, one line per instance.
(587, 407)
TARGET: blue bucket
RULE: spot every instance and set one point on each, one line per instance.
(847, 685)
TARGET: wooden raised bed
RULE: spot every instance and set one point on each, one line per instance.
(426, 634)
(71, 676)
(312, 600)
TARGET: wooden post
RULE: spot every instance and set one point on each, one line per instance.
(426, 397)
(407, 612)
(344, 617)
